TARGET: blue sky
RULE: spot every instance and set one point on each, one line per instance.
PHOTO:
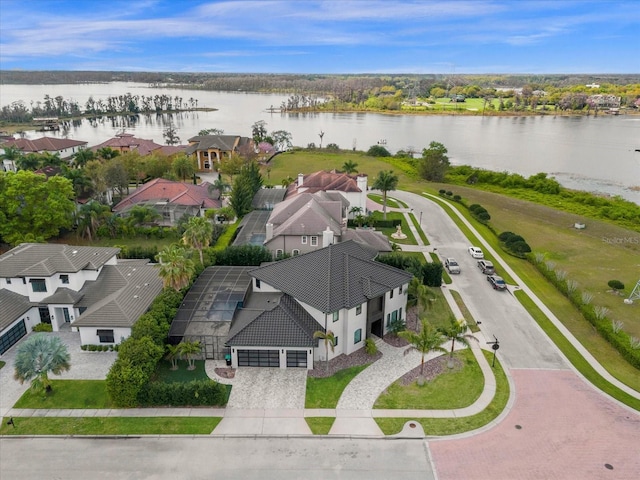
(307, 36)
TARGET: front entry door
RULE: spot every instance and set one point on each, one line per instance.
(45, 316)
(67, 318)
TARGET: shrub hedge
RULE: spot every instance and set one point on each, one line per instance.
(195, 393)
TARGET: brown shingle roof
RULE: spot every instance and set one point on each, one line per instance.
(324, 181)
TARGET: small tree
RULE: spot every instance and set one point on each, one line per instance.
(183, 167)
(428, 339)
(455, 332)
(170, 135)
(385, 182)
(189, 350)
(350, 167)
(329, 341)
(38, 356)
(198, 234)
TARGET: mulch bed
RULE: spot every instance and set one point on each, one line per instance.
(412, 324)
(225, 372)
(341, 362)
(432, 369)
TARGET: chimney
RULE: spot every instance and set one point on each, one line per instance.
(362, 182)
(327, 237)
(269, 227)
(300, 179)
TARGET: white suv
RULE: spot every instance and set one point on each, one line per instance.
(451, 265)
(475, 252)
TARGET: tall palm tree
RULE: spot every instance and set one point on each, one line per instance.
(11, 153)
(350, 167)
(385, 182)
(176, 268)
(220, 185)
(142, 215)
(190, 349)
(198, 234)
(83, 156)
(428, 339)
(173, 353)
(38, 356)
(329, 341)
(456, 332)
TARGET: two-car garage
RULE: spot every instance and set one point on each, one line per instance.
(273, 358)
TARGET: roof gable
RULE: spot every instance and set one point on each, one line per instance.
(169, 191)
(342, 275)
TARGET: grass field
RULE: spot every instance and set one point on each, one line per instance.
(68, 394)
(457, 388)
(451, 426)
(325, 392)
(111, 426)
(320, 425)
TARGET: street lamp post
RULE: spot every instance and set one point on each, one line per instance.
(494, 346)
(420, 218)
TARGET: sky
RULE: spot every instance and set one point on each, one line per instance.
(308, 36)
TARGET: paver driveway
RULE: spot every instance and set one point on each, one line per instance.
(568, 431)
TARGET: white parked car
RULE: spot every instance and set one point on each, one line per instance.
(451, 265)
(475, 252)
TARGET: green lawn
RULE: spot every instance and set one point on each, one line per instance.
(325, 392)
(111, 426)
(473, 326)
(2, 364)
(438, 313)
(452, 426)
(455, 388)
(69, 394)
(410, 240)
(320, 425)
(391, 202)
(165, 374)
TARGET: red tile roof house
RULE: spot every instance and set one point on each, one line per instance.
(62, 146)
(172, 199)
(126, 142)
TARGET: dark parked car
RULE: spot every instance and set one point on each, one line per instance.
(486, 267)
(497, 282)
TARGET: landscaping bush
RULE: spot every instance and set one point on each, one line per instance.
(42, 327)
(370, 347)
(396, 326)
(183, 394)
(244, 255)
(378, 151)
(432, 274)
(137, 251)
(616, 284)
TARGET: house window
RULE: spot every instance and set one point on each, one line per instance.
(336, 316)
(394, 315)
(388, 319)
(335, 341)
(304, 239)
(8, 281)
(357, 336)
(106, 336)
(314, 241)
(358, 309)
(391, 294)
(38, 285)
(64, 279)
(279, 253)
(400, 313)
(257, 283)
(400, 289)
(295, 252)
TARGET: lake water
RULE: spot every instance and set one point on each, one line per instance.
(587, 153)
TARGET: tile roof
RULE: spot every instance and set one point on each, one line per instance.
(12, 306)
(225, 143)
(311, 218)
(46, 259)
(63, 296)
(372, 238)
(342, 275)
(177, 193)
(44, 144)
(120, 295)
(324, 181)
(280, 323)
(129, 142)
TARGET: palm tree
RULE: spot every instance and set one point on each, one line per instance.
(220, 185)
(385, 182)
(198, 234)
(173, 353)
(176, 268)
(81, 182)
(90, 217)
(183, 167)
(287, 181)
(190, 349)
(11, 153)
(37, 356)
(83, 156)
(107, 153)
(142, 215)
(350, 167)
(428, 339)
(455, 332)
(329, 341)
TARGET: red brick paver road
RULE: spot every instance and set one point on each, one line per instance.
(568, 431)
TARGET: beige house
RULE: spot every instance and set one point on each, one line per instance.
(211, 149)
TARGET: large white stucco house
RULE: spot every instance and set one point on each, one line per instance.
(85, 289)
(266, 316)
